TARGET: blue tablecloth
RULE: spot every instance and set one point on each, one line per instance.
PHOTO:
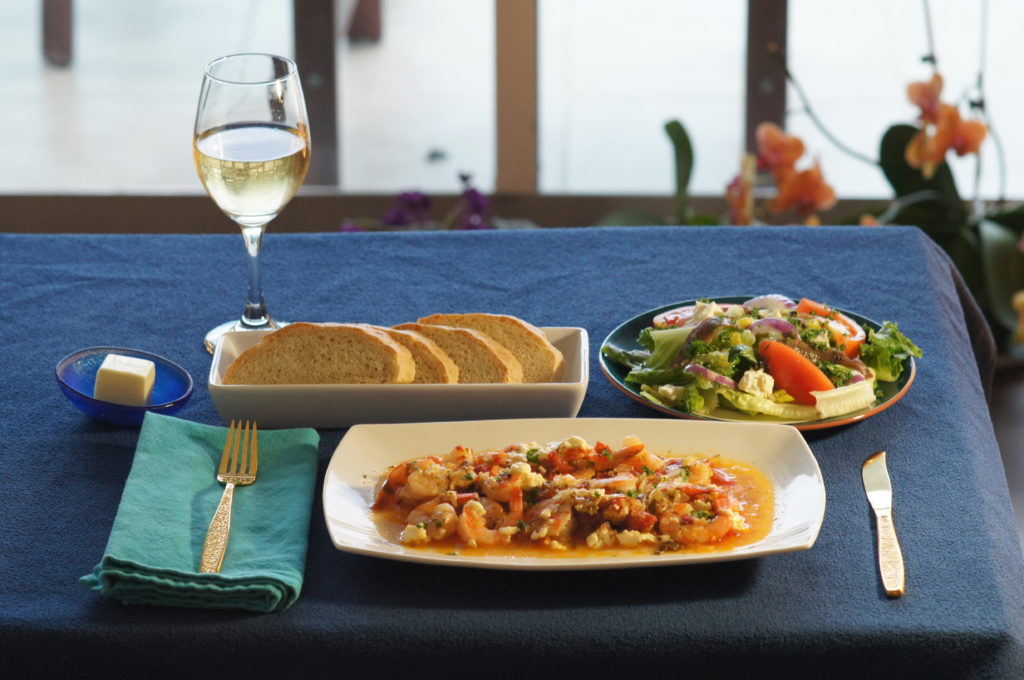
(819, 611)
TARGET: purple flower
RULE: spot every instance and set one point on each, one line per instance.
(475, 206)
(411, 208)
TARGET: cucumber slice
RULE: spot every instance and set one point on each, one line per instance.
(846, 399)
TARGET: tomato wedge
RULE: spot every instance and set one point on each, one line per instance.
(793, 372)
(846, 333)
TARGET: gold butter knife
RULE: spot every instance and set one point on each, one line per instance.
(879, 490)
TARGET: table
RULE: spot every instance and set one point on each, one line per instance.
(820, 611)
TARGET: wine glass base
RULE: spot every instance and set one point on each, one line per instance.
(214, 335)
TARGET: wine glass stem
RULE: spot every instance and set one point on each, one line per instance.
(255, 308)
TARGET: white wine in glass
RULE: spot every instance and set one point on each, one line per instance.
(251, 150)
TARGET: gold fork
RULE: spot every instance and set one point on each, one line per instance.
(236, 469)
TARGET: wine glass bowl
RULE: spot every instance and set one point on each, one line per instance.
(251, 151)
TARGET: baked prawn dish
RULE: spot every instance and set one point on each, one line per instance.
(572, 498)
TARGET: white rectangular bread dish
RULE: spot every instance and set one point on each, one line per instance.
(338, 406)
(778, 451)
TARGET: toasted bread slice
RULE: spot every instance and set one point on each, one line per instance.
(433, 365)
(541, 361)
(480, 358)
(311, 354)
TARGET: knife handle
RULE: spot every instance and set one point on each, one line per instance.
(890, 557)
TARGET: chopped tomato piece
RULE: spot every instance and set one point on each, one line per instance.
(559, 462)
(642, 521)
(793, 372)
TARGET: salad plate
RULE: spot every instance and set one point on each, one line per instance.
(778, 452)
(625, 337)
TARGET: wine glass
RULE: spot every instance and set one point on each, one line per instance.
(251, 150)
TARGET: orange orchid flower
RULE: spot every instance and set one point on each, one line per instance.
(740, 193)
(927, 149)
(806, 190)
(778, 150)
(925, 95)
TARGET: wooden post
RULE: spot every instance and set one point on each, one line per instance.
(314, 55)
(57, 31)
(516, 96)
(766, 79)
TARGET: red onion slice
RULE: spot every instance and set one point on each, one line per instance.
(705, 372)
(772, 301)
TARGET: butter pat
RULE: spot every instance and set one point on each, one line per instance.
(125, 380)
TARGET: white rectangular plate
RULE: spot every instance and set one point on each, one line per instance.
(337, 406)
(779, 451)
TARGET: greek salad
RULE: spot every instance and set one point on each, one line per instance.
(769, 356)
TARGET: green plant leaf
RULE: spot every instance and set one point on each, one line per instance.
(703, 220)
(684, 167)
(1004, 273)
(906, 180)
(629, 217)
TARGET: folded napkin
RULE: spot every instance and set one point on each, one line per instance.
(152, 556)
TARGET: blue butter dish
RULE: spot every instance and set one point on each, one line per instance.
(76, 375)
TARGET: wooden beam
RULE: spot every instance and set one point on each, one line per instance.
(516, 96)
(766, 79)
(315, 57)
(318, 209)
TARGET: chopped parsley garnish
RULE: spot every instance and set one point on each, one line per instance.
(701, 514)
(533, 456)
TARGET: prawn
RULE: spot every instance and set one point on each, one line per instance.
(605, 459)
(435, 519)
(687, 530)
(551, 519)
(501, 486)
(388, 493)
(426, 478)
(479, 525)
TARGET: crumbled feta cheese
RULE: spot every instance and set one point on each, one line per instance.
(573, 442)
(530, 479)
(757, 382)
(671, 392)
(414, 533)
(704, 310)
(630, 538)
(602, 537)
(564, 481)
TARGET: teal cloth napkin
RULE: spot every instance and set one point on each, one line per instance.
(152, 555)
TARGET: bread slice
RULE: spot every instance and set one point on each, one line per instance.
(480, 358)
(313, 354)
(433, 365)
(541, 361)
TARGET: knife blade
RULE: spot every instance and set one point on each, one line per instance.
(879, 491)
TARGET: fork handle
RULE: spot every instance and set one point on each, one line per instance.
(217, 535)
